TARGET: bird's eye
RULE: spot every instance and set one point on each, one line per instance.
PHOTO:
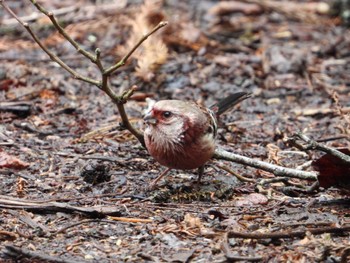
(167, 114)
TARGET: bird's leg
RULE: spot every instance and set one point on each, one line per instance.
(200, 173)
(155, 181)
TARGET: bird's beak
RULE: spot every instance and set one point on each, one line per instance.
(149, 118)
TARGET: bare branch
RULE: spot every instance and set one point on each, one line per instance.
(52, 56)
(125, 121)
(60, 29)
(275, 169)
(98, 59)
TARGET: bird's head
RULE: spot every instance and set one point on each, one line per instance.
(175, 122)
(167, 116)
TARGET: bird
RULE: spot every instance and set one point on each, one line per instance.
(182, 134)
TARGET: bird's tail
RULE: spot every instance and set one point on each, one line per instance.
(227, 103)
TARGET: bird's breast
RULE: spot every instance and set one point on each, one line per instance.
(184, 152)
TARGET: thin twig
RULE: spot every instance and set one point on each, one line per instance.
(312, 145)
(35, 16)
(125, 120)
(292, 190)
(237, 175)
(85, 221)
(273, 180)
(17, 252)
(130, 220)
(52, 56)
(126, 57)
(98, 59)
(289, 234)
(49, 207)
(60, 29)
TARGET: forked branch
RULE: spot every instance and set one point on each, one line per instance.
(314, 145)
(105, 72)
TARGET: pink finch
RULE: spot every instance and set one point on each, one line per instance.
(181, 135)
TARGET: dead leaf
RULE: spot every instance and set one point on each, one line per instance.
(6, 84)
(48, 94)
(192, 221)
(332, 171)
(9, 161)
(252, 199)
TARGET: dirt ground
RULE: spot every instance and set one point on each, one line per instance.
(74, 183)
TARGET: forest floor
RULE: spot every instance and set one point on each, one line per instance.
(73, 183)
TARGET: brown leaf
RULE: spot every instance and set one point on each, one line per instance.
(5, 84)
(9, 161)
(333, 171)
(192, 221)
(252, 199)
(153, 52)
(48, 94)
